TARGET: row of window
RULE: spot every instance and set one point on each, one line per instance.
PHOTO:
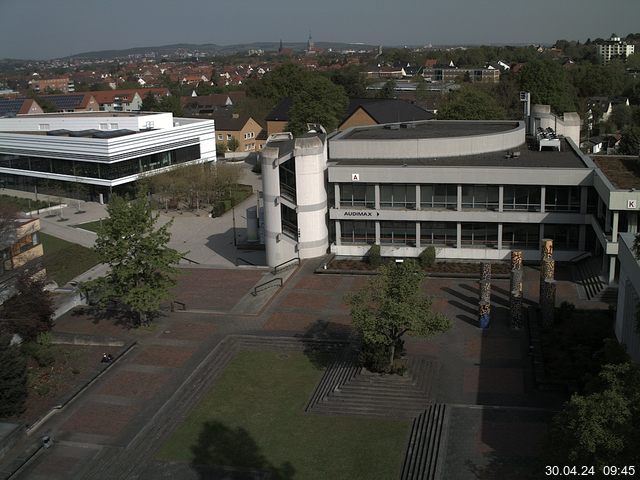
(444, 234)
(479, 197)
(104, 171)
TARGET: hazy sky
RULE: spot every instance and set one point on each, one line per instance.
(54, 28)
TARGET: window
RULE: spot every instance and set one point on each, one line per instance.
(480, 197)
(103, 126)
(220, 136)
(288, 179)
(398, 196)
(289, 221)
(44, 126)
(439, 233)
(522, 197)
(562, 199)
(357, 195)
(359, 233)
(480, 235)
(398, 233)
(439, 196)
(520, 235)
(113, 126)
(229, 136)
(565, 237)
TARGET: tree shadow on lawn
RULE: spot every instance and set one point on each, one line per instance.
(224, 453)
(322, 355)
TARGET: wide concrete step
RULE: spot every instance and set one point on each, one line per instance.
(350, 390)
(424, 448)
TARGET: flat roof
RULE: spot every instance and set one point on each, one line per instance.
(529, 157)
(428, 129)
(622, 172)
(87, 114)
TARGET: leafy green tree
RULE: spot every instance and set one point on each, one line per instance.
(142, 267)
(388, 90)
(29, 312)
(471, 103)
(233, 144)
(621, 116)
(320, 101)
(13, 378)
(352, 80)
(393, 305)
(600, 428)
(149, 103)
(170, 104)
(548, 84)
(630, 142)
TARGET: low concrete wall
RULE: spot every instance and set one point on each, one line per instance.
(61, 338)
(9, 434)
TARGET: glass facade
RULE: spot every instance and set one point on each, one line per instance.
(289, 221)
(480, 235)
(439, 196)
(480, 197)
(565, 237)
(562, 199)
(398, 233)
(443, 234)
(521, 198)
(98, 170)
(358, 233)
(357, 195)
(398, 196)
(288, 179)
(520, 235)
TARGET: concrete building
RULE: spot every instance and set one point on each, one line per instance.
(62, 84)
(474, 190)
(626, 326)
(614, 48)
(103, 151)
(241, 127)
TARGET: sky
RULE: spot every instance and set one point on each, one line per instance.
(43, 29)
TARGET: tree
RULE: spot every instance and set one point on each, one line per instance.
(13, 378)
(29, 312)
(548, 85)
(471, 103)
(599, 428)
(142, 267)
(170, 104)
(351, 79)
(393, 305)
(630, 142)
(149, 103)
(319, 101)
(233, 144)
(388, 90)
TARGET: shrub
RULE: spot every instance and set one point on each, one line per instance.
(427, 257)
(13, 378)
(42, 354)
(565, 311)
(373, 256)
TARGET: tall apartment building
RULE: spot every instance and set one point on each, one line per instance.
(63, 84)
(614, 48)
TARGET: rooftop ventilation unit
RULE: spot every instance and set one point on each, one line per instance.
(407, 125)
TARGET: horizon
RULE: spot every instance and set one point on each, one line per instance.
(86, 26)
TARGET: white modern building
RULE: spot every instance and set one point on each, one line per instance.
(614, 48)
(106, 151)
(472, 189)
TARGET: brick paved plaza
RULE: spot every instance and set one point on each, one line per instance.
(485, 376)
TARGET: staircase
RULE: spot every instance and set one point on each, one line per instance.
(346, 389)
(421, 458)
(585, 274)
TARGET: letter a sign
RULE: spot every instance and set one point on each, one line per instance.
(355, 177)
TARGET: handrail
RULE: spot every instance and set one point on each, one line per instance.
(267, 285)
(580, 257)
(284, 265)
(182, 304)
(245, 261)
(189, 260)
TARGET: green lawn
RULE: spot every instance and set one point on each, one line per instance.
(91, 226)
(24, 204)
(64, 260)
(253, 417)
